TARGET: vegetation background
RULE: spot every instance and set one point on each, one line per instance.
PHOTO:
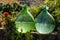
(35, 7)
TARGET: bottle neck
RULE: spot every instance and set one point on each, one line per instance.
(44, 9)
(25, 9)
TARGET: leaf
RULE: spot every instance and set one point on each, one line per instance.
(45, 23)
(25, 21)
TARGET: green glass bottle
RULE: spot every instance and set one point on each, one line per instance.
(44, 22)
(25, 21)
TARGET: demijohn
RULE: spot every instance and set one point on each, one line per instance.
(44, 22)
(25, 21)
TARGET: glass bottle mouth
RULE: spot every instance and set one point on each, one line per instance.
(45, 7)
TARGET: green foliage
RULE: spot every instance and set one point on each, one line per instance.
(50, 3)
(35, 10)
(7, 8)
(28, 36)
(16, 7)
(11, 32)
(1, 7)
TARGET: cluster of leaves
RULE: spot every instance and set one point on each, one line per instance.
(10, 7)
(11, 30)
(35, 10)
(9, 18)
